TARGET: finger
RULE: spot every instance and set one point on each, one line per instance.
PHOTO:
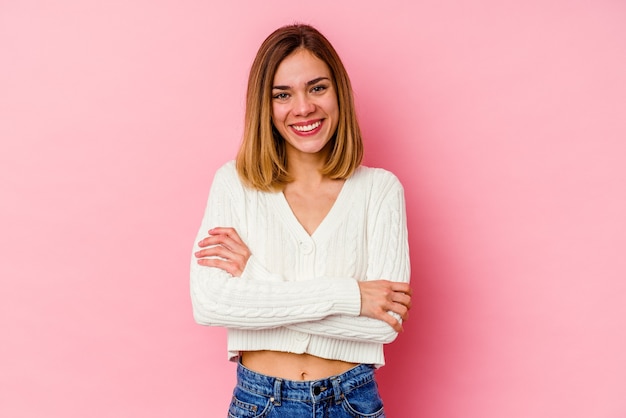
(230, 232)
(397, 308)
(220, 264)
(401, 287)
(402, 298)
(236, 260)
(401, 310)
(233, 245)
(213, 240)
(206, 252)
(210, 240)
(387, 315)
(226, 241)
(393, 322)
(215, 251)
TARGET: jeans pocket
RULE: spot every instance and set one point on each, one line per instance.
(364, 402)
(248, 405)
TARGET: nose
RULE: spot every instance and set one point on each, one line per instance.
(303, 105)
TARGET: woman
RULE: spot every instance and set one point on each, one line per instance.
(306, 259)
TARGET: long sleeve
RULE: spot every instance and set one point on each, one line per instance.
(299, 292)
(387, 258)
(254, 303)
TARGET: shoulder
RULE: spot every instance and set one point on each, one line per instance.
(227, 175)
(377, 179)
(226, 180)
(227, 170)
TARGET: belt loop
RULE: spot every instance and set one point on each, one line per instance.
(277, 391)
(336, 381)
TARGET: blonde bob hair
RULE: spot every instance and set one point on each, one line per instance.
(262, 159)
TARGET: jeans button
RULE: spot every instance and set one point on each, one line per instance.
(316, 390)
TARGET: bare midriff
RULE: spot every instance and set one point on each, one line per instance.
(293, 366)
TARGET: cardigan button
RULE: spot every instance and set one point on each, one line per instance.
(306, 247)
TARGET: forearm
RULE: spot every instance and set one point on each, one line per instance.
(221, 300)
(350, 328)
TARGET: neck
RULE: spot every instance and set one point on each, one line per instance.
(305, 168)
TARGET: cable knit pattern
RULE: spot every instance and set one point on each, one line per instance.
(299, 292)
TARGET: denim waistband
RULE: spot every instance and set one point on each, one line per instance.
(313, 391)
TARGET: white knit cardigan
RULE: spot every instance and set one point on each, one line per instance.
(298, 292)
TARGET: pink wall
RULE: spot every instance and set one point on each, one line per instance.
(505, 120)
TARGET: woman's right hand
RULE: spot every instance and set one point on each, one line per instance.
(379, 297)
(223, 248)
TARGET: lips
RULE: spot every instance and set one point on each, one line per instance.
(307, 127)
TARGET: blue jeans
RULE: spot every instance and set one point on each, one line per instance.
(353, 394)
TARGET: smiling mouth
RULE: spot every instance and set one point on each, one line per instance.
(307, 128)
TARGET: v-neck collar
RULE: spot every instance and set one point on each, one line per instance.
(335, 215)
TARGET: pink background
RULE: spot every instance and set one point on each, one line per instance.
(505, 120)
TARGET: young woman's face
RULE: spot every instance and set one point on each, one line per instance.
(304, 103)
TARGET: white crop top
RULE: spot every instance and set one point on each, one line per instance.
(298, 292)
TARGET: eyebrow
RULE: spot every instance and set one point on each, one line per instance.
(308, 83)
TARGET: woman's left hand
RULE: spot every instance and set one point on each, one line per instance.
(224, 249)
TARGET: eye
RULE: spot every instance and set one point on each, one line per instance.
(281, 96)
(320, 88)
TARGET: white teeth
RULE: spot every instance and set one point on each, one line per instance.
(307, 128)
